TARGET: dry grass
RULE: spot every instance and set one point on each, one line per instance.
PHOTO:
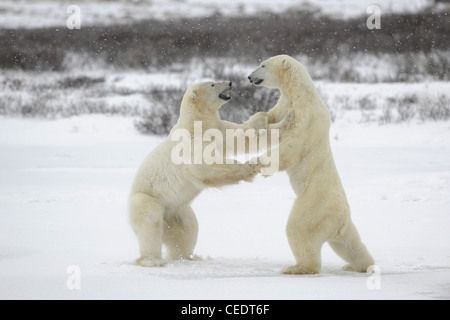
(155, 44)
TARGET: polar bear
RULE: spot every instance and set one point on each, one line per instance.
(162, 190)
(321, 212)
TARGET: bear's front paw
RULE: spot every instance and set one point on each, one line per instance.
(259, 163)
(254, 166)
(251, 170)
(151, 262)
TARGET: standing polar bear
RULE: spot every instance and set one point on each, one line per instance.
(163, 188)
(321, 212)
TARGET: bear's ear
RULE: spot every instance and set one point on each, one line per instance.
(285, 64)
(194, 95)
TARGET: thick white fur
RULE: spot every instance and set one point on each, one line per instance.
(159, 202)
(321, 212)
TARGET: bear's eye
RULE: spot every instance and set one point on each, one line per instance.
(263, 66)
(212, 85)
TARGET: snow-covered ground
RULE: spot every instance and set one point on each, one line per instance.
(63, 191)
(44, 13)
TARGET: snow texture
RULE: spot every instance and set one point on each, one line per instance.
(64, 185)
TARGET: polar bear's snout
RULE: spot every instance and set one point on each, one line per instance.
(225, 94)
(255, 80)
(260, 74)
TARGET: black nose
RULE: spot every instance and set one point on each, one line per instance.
(230, 84)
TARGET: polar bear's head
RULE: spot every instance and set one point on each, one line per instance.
(269, 72)
(209, 96)
(279, 71)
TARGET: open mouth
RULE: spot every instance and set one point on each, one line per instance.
(255, 81)
(225, 94)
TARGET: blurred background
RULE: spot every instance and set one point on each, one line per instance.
(136, 58)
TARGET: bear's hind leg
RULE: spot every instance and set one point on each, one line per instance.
(305, 245)
(180, 234)
(350, 248)
(146, 216)
(307, 256)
